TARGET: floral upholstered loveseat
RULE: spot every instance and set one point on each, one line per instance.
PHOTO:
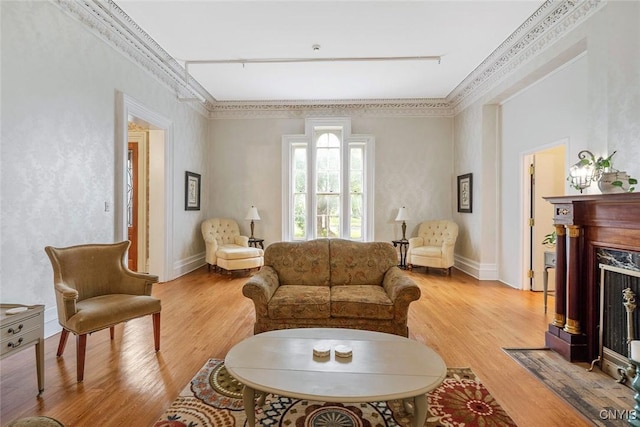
(331, 283)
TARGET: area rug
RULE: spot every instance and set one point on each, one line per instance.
(214, 398)
(594, 394)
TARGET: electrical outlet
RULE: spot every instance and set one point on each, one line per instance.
(107, 206)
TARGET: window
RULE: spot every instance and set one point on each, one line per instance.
(327, 182)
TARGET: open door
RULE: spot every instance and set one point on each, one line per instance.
(548, 179)
(132, 205)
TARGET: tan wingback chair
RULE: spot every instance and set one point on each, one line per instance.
(226, 248)
(434, 245)
(95, 290)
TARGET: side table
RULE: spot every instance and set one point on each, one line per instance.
(549, 262)
(22, 330)
(404, 246)
(254, 241)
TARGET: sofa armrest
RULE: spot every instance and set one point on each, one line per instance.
(399, 285)
(402, 290)
(414, 242)
(260, 288)
(241, 241)
(66, 298)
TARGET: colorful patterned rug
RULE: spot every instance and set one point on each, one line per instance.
(213, 398)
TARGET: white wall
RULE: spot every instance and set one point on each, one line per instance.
(552, 109)
(413, 166)
(59, 85)
(597, 109)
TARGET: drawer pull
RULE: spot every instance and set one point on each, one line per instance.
(12, 345)
(15, 331)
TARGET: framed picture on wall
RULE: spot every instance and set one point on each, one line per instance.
(465, 192)
(192, 191)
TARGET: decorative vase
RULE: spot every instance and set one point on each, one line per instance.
(605, 183)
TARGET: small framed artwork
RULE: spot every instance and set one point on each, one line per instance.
(192, 191)
(465, 192)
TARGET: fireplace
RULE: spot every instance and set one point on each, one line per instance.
(588, 225)
(619, 324)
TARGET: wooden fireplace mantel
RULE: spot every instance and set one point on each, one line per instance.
(583, 224)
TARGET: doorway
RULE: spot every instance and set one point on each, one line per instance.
(545, 177)
(157, 238)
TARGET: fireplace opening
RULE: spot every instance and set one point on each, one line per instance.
(619, 319)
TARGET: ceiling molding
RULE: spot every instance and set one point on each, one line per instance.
(105, 19)
(433, 107)
(547, 25)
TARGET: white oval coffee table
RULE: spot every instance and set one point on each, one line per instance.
(382, 367)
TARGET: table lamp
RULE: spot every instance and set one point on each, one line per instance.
(403, 216)
(252, 214)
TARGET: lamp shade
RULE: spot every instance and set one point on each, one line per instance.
(252, 214)
(402, 214)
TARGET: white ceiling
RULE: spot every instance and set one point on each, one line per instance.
(463, 33)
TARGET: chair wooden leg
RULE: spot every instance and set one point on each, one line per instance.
(63, 342)
(156, 330)
(81, 347)
(112, 332)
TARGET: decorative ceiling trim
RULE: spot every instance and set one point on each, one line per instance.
(548, 24)
(111, 24)
(357, 107)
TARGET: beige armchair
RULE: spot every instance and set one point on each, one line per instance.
(434, 246)
(226, 248)
(95, 290)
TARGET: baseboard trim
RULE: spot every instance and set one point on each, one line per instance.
(187, 265)
(475, 269)
(51, 325)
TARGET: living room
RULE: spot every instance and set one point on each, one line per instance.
(65, 86)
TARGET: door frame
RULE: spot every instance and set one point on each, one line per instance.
(529, 246)
(126, 108)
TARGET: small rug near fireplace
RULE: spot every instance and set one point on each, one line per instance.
(213, 398)
(594, 394)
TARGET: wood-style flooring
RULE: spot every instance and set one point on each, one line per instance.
(204, 314)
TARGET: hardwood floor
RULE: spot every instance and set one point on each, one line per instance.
(204, 314)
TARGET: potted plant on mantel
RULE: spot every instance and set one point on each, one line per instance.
(610, 179)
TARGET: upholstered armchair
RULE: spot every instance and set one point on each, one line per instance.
(226, 248)
(434, 245)
(95, 290)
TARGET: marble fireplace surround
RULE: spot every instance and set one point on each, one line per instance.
(586, 224)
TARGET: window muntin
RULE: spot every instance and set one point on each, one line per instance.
(328, 182)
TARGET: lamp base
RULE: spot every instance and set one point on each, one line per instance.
(404, 230)
(251, 229)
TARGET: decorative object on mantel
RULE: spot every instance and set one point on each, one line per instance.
(589, 169)
(252, 215)
(403, 216)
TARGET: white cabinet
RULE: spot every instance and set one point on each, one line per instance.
(22, 330)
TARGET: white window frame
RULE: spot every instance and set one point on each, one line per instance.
(291, 141)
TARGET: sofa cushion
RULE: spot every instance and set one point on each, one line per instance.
(300, 301)
(231, 251)
(300, 263)
(361, 301)
(360, 263)
(429, 251)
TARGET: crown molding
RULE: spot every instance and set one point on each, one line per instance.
(552, 21)
(105, 19)
(548, 24)
(435, 107)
